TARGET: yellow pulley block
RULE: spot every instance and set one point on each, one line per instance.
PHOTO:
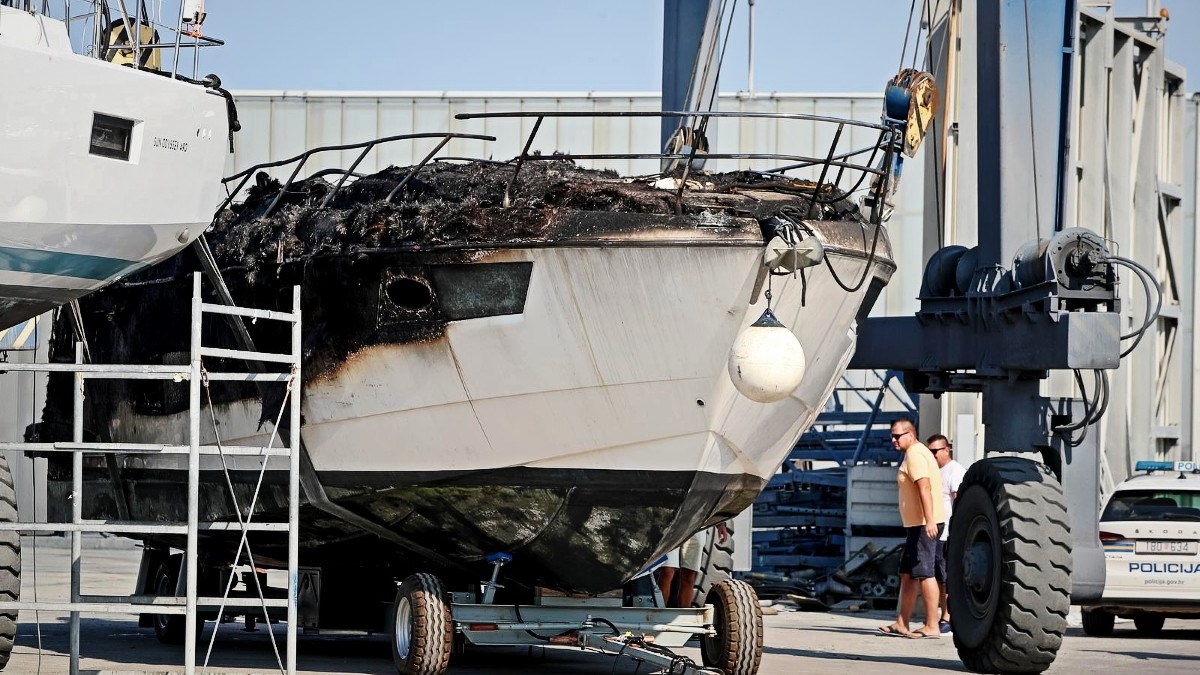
(915, 90)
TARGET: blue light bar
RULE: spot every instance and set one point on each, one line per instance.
(1165, 466)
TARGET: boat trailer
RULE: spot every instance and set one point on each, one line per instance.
(428, 623)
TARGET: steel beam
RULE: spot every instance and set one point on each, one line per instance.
(1023, 120)
(1075, 340)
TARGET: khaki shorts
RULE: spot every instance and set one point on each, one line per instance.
(690, 554)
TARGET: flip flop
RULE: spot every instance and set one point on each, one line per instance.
(918, 634)
(891, 630)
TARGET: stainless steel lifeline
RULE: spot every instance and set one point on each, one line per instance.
(194, 373)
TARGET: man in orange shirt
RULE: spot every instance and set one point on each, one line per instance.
(923, 516)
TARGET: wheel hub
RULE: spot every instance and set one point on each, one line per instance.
(403, 630)
(163, 587)
(977, 566)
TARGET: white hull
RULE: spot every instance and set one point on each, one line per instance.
(618, 361)
(623, 365)
(72, 221)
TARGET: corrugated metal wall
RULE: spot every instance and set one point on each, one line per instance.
(278, 125)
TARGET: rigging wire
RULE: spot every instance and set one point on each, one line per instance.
(934, 61)
(907, 28)
(1037, 205)
(721, 58)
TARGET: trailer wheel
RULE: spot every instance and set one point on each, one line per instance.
(737, 618)
(1009, 567)
(10, 562)
(423, 632)
(1098, 624)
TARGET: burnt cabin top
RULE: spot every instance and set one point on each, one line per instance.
(455, 204)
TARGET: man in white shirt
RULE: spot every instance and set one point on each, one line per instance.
(952, 476)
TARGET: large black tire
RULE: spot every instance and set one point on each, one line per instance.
(716, 565)
(10, 562)
(1098, 624)
(1009, 565)
(1149, 624)
(422, 631)
(737, 619)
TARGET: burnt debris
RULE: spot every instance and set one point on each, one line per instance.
(456, 204)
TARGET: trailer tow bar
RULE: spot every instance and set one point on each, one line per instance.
(639, 648)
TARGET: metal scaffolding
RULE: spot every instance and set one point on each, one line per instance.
(197, 376)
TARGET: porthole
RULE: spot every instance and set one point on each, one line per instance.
(408, 293)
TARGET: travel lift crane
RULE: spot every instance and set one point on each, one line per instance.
(1024, 535)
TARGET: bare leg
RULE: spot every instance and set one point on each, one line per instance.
(942, 602)
(929, 592)
(687, 587)
(908, 599)
(665, 576)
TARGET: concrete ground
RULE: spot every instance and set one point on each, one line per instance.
(795, 642)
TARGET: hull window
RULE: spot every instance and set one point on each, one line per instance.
(111, 136)
(475, 291)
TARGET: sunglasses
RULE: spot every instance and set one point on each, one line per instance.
(944, 447)
(896, 437)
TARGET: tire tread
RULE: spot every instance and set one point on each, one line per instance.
(433, 633)
(10, 561)
(737, 649)
(1035, 584)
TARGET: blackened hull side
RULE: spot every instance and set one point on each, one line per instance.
(585, 530)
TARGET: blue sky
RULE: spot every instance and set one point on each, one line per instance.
(567, 45)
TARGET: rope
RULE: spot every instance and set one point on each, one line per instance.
(792, 212)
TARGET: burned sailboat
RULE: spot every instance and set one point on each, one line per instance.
(528, 357)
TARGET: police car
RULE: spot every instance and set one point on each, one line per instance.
(1150, 531)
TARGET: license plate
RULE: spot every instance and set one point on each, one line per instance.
(1167, 547)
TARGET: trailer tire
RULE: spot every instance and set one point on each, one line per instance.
(1009, 559)
(737, 618)
(716, 565)
(10, 562)
(423, 630)
(1098, 624)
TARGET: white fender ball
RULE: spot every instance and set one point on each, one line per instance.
(766, 362)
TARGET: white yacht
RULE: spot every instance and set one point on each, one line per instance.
(110, 160)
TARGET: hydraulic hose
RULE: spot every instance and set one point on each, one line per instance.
(1148, 282)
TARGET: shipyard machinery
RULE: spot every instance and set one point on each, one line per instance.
(1034, 297)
